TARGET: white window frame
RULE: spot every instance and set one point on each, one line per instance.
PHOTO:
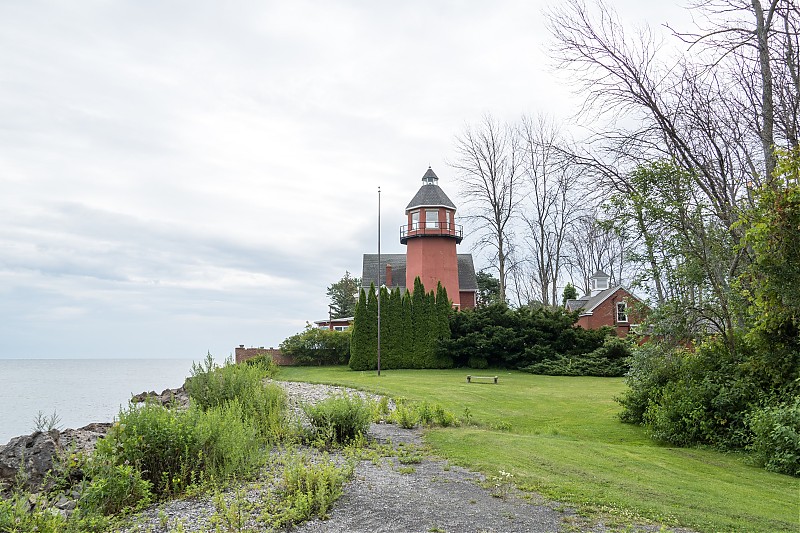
(415, 220)
(432, 224)
(622, 311)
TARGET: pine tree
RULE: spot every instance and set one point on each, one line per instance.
(443, 309)
(386, 356)
(359, 339)
(372, 320)
(419, 325)
(394, 336)
(406, 354)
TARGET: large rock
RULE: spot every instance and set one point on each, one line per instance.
(34, 452)
(167, 398)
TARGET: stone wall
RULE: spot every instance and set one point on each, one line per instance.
(243, 354)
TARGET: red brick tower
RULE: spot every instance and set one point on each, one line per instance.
(431, 236)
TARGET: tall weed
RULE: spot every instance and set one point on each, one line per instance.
(339, 419)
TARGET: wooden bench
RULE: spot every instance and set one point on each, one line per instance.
(481, 378)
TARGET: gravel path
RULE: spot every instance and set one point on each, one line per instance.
(387, 496)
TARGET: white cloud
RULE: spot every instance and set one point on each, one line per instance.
(184, 176)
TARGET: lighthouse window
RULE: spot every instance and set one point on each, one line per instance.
(414, 220)
(432, 218)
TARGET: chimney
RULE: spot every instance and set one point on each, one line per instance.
(388, 275)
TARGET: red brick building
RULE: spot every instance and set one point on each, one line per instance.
(607, 306)
(430, 235)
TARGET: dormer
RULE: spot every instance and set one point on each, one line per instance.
(599, 282)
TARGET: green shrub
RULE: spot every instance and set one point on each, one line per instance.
(114, 489)
(444, 417)
(211, 384)
(405, 415)
(265, 362)
(161, 444)
(308, 487)
(339, 419)
(229, 441)
(652, 366)
(317, 347)
(609, 360)
(776, 438)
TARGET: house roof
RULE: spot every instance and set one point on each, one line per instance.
(430, 194)
(587, 304)
(467, 281)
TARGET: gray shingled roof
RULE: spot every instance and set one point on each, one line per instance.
(430, 194)
(588, 303)
(467, 281)
(370, 270)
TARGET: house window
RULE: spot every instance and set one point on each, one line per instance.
(431, 218)
(622, 312)
(340, 328)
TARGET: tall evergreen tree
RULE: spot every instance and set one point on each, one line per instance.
(419, 325)
(372, 319)
(443, 309)
(359, 341)
(386, 353)
(406, 356)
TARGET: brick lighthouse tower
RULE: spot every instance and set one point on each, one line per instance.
(431, 236)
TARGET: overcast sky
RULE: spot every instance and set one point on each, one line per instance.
(183, 177)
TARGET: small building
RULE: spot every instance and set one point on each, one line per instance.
(615, 307)
(336, 324)
(430, 236)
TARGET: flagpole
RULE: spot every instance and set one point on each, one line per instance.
(379, 281)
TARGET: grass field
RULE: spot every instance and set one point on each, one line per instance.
(566, 443)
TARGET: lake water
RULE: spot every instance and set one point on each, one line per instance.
(80, 391)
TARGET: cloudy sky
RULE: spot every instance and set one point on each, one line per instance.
(182, 177)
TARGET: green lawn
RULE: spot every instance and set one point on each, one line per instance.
(565, 442)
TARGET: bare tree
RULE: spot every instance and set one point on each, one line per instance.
(488, 163)
(710, 114)
(552, 182)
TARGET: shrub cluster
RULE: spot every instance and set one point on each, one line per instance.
(609, 360)
(317, 347)
(539, 340)
(776, 437)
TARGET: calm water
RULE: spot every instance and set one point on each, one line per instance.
(79, 390)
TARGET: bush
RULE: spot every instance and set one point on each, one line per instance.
(161, 444)
(776, 438)
(405, 416)
(339, 419)
(114, 489)
(265, 363)
(497, 336)
(211, 385)
(652, 366)
(317, 347)
(228, 441)
(308, 487)
(609, 360)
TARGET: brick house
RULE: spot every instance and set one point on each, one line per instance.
(430, 235)
(615, 307)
